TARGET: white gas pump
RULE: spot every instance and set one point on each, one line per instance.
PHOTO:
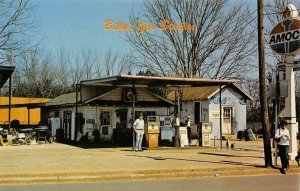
(167, 131)
(88, 131)
(183, 136)
(206, 130)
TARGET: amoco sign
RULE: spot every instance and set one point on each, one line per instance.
(285, 36)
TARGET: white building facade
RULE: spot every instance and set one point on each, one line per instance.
(202, 104)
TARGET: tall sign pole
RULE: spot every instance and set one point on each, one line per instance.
(262, 86)
(290, 107)
(285, 40)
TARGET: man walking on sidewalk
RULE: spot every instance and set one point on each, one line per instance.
(138, 126)
(283, 135)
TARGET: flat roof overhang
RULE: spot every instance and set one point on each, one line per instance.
(150, 81)
(5, 73)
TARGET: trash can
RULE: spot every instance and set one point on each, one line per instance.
(240, 135)
(249, 135)
(153, 131)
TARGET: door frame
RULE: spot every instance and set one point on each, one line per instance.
(231, 119)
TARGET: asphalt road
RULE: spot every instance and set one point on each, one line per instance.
(252, 183)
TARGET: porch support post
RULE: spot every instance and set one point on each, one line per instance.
(220, 101)
(76, 112)
(133, 114)
(28, 115)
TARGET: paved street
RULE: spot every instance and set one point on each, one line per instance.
(254, 183)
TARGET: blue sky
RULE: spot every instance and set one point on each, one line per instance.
(79, 24)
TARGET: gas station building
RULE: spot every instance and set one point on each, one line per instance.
(107, 104)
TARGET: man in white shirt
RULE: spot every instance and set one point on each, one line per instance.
(283, 134)
(138, 126)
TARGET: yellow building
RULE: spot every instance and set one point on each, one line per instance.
(21, 113)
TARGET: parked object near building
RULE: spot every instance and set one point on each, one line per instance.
(249, 135)
(246, 134)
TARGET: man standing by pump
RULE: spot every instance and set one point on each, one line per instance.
(138, 127)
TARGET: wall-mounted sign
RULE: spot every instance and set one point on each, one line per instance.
(214, 114)
(216, 100)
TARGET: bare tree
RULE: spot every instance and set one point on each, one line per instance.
(63, 63)
(125, 64)
(109, 62)
(253, 107)
(97, 67)
(15, 22)
(114, 64)
(86, 65)
(35, 77)
(48, 76)
(29, 71)
(219, 47)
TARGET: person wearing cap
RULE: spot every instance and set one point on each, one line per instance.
(283, 134)
(138, 126)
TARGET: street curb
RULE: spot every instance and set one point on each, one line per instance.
(139, 175)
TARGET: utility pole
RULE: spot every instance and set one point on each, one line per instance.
(262, 86)
(9, 90)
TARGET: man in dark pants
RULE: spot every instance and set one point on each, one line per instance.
(189, 128)
(283, 134)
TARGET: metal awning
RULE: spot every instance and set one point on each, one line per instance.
(150, 81)
(5, 73)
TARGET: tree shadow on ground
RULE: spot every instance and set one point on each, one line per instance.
(243, 149)
(199, 161)
(227, 155)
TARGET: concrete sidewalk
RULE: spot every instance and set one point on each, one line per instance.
(64, 163)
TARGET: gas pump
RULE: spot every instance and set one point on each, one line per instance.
(153, 130)
(167, 131)
(88, 131)
(204, 133)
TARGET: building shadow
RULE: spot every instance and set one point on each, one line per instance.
(95, 144)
